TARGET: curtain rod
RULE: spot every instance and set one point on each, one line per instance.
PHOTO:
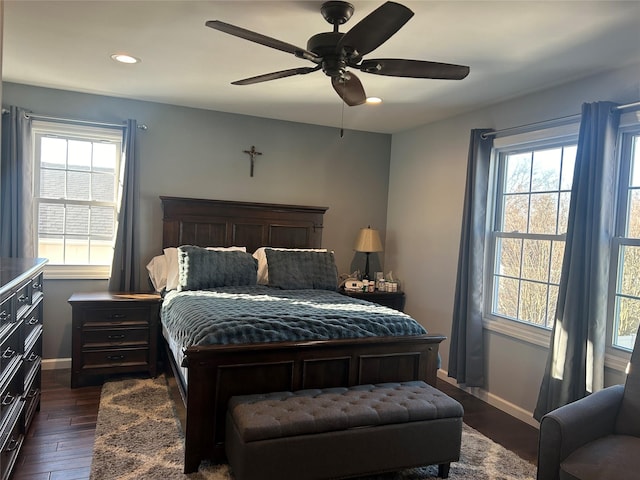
(34, 116)
(556, 121)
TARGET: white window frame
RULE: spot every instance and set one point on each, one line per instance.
(538, 139)
(42, 128)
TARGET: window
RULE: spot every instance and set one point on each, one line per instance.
(533, 188)
(626, 245)
(76, 188)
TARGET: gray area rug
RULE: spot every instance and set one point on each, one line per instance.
(138, 437)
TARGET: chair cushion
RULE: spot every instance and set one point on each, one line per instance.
(613, 456)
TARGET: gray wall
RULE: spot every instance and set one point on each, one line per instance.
(426, 193)
(198, 153)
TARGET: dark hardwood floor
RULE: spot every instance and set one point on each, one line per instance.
(59, 445)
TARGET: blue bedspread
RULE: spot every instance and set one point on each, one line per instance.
(253, 314)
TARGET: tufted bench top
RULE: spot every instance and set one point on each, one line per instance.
(285, 414)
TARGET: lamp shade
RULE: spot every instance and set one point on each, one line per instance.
(368, 241)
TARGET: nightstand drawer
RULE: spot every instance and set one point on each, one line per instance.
(101, 338)
(119, 316)
(122, 357)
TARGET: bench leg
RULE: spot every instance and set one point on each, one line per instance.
(443, 470)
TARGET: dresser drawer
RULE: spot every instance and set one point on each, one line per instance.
(32, 361)
(11, 439)
(8, 310)
(122, 357)
(101, 338)
(32, 398)
(115, 317)
(32, 321)
(10, 396)
(23, 297)
(10, 350)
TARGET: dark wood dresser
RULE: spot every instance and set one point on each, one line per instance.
(113, 333)
(21, 315)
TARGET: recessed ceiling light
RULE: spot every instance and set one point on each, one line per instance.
(124, 58)
(374, 100)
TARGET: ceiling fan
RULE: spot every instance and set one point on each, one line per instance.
(334, 52)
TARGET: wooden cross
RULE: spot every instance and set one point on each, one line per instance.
(252, 153)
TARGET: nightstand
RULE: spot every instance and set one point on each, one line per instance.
(113, 333)
(393, 300)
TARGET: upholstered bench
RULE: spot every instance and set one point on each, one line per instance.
(342, 432)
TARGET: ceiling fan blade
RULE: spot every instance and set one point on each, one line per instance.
(261, 39)
(275, 75)
(349, 89)
(376, 28)
(397, 67)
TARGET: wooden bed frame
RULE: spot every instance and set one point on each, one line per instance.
(218, 372)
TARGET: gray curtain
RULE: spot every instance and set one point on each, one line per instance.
(466, 353)
(125, 269)
(16, 193)
(575, 365)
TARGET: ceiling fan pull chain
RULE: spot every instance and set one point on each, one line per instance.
(342, 116)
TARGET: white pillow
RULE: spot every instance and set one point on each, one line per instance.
(171, 257)
(157, 269)
(263, 268)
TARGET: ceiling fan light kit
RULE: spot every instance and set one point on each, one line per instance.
(336, 52)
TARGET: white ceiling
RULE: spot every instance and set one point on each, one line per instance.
(513, 48)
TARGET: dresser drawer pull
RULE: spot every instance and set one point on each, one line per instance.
(23, 299)
(33, 392)
(118, 316)
(8, 399)
(32, 357)
(8, 353)
(113, 358)
(37, 286)
(119, 336)
(12, 445)
(4, 316)
(33, 321)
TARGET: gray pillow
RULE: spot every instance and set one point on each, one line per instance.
(200, 269)
(292, 270)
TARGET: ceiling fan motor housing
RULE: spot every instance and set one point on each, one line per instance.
(324, 45)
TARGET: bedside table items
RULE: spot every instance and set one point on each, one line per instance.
(368, 241)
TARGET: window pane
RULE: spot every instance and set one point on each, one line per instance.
(546, 170)
(635, 162)
(104, 157)
(535, 260)
(563, 214)
(103, 187)
(102, 222)
(77, 220)
(79, 155)
(50, 219)
(78, 185)
(506, 303)
(508, 253)
(51, 247)
(628, 315)
(533, 303)
(630, 276)
(568, 165)
(100, 252)
(515, 213)
(518, 173)
(52, 183)
(53, 153)
(551, 305)
(557, 256)
(76, 251)
(544, 208)
(633, 219)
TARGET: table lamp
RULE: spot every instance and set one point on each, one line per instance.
(368, 241)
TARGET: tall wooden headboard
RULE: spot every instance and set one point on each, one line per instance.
(191, 221)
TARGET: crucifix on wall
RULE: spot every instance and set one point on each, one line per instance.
(252, 154)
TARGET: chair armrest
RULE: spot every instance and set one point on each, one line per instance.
(567, 428)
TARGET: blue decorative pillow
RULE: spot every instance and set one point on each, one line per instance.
(200, 268)
(291, 270)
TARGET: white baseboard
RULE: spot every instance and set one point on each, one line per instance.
(56, 363)
(495, 401)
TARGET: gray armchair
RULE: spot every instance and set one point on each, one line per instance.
(597, 437)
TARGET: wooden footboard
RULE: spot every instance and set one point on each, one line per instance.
(218, 372)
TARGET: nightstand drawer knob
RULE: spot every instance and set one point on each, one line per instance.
(114, 358)
(119, 336)
(118, 316)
